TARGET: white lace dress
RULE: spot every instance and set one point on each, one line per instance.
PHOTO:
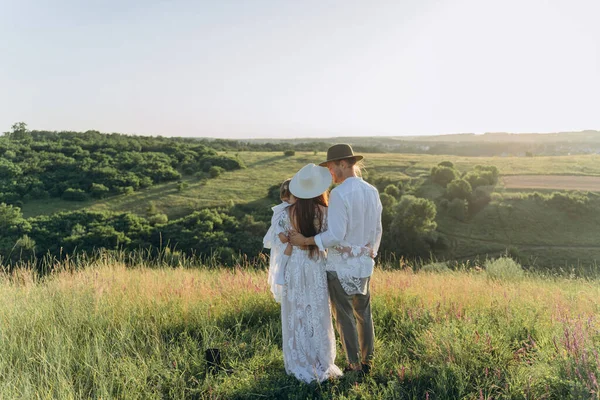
(308, 336)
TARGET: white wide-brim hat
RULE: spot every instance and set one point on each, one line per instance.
(310, 182)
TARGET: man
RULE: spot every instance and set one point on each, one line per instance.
(352, 240)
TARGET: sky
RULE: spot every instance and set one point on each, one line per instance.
(310, 68)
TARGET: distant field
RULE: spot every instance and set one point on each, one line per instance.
(564, 182)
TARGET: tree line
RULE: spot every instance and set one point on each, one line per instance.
(78, 165)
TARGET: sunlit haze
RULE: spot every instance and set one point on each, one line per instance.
(256, 69)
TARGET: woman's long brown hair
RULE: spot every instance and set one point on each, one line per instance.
(307, 217)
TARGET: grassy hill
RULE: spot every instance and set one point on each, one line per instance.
(107, 331)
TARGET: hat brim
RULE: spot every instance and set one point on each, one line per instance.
(322, 183)
(358, 157)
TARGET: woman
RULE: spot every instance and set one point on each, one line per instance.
(308, 337)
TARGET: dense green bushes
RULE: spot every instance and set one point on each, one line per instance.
(205, 233)
(75, 166)
(443, 174)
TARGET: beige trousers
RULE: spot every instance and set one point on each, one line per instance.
(353, 320)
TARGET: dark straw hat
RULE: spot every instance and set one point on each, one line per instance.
(340, 152)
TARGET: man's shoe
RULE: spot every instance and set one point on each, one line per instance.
(350, 368)
(366, 369)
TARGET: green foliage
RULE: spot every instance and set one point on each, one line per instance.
(74, 195)
(393, 191)
(215, 171)
(411, 231)
(415, 213)
(478, 200)
(41, 164)
(573, 203)
(458, 189)
(448, 164)
(8, 170)
(435, 267)
(504, 269)
(458, 209)
(482, 176)
(13, 226)
(158, 219)
(181, 186)
(225, 162)
(19, 131)
(98, 190)
(289, 153)
(442, 175)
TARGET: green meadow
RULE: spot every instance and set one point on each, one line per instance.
(478, 332)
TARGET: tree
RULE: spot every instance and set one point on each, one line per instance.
(12, 226)
(18, 131)
(98, 190)
(9, 170)
(459, 189)
(393, 191)
(74, 195)
(443, 175)
(412, 229)
(458, 209)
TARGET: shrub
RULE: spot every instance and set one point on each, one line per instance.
(572, 203)
(151, 209)
(182, 186)
(228, 163)
(444, 203)
(458, 209)
(478, 200)
(393, 191)
(74, 195)
(215, 171)
(443, 175)
(504, 269)
(145, 182)
(448, 164)
(289, 153)
(98, 190)
(158, 219)
(459, 189)
(411, 229)
(436, 267)
(25, 243)
(493, 170)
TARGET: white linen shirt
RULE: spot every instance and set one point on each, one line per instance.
(354, 222)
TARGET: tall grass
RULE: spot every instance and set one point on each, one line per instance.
(109, 331)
